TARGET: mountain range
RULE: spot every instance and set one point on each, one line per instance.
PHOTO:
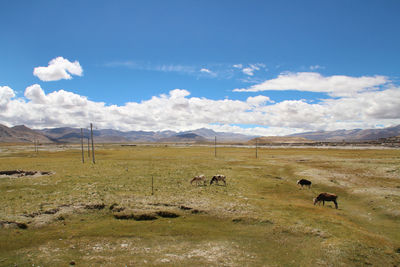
(351, 135)
(22, 133)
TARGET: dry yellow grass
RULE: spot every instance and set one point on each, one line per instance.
(261, 218)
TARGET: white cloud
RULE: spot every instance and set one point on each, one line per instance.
(178, 111)
(174, 68)
(36, 94)
(250, 69)
(258, 100)
(205, 70)
(316, 67)
(208, 72)
(6, 93)
(58, 68)
(337, 85)
(137, 65)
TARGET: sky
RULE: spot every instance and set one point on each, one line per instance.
(251, 67)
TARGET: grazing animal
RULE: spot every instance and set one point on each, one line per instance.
(304, 182)
(201, 179)
(326, 197)
(217, 178)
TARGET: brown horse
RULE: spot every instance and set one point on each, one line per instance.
(326, 197)
(217, 178)
(201, 179)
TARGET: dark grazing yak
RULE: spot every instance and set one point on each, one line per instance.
(326, 197)
(304, 182)
(217, 178)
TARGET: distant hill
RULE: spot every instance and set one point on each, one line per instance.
(221, 136)
(72, 135)
(184, 137)
(21, 134)
(279, 140)
(351, 135)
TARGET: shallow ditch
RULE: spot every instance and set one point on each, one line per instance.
(43, 217)
(22, 173)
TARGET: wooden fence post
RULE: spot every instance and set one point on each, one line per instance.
(256, 148)
(83, 157)
(88, 146)
(215, 146)
(91, 135)
(152, 185)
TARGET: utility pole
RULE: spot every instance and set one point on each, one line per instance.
(83, 158)
(88, 146)
(152, 185)
(256, 147)
(215, 146)
(91, 135)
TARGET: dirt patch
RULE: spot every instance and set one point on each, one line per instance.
(162, 204)
(114, 207)
(144, 215)
(35, 214)
(95, 206)
(136, 215)
(10, 224)
(196, 211)
(182, 207)
(167, 214)
(52, 211)
(22, 173)
(246, 220)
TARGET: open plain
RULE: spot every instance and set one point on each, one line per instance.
(108, 214)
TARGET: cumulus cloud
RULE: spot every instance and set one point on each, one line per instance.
(6, 93)
(258, 100)
(336, 85)
(177, 110)
(36, 94)
(250, 69)
(58, 68)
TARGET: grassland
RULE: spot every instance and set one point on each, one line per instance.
(261, 218)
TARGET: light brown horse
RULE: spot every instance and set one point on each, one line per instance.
(326, 197)
(201, 179)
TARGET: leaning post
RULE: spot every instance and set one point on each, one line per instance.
(88, 146)
(256, 148)
(215, 146)
(91, 135)
(83, 157)
(152, 185)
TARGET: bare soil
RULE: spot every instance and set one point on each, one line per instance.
(22, 173)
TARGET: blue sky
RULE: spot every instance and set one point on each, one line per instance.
(296, 65)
